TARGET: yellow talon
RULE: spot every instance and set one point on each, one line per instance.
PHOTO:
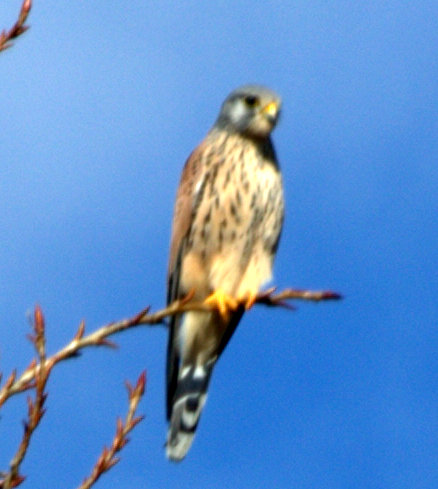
(222, 302)
(250, 300)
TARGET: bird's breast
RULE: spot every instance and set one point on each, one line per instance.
(238, 216)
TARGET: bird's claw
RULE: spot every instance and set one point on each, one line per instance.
(222, 302)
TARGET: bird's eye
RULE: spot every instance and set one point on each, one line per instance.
(251, 100)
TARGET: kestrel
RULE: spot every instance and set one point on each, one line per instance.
(226, 227)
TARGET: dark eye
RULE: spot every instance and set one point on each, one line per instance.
(251, 100)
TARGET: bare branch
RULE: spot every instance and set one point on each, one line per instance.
(99, 337)
(6, 36)
(37, 373)
(270, 299)
(108, 457)
(35, 409)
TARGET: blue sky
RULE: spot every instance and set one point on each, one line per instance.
(101, 104)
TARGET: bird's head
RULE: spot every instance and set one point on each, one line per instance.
(251, 110)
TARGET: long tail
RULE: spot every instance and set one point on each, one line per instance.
(189, 399)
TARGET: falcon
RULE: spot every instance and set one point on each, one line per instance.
(226, 227)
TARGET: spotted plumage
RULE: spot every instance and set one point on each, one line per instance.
(227, 222)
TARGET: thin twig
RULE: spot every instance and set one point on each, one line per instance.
(6, 36)
(271, 299)
(35, 410)
(108, 458)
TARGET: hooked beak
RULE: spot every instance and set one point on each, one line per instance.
(271, 111)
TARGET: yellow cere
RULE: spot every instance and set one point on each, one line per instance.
(271, 108)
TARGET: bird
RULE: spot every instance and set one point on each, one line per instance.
(227, 222)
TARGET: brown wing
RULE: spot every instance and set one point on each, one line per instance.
(184, 207)
(182, 221)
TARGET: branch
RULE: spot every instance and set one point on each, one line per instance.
(35, 409)
(18, 28)
(37, 373)
(270, 299)
(99, 337)
(108, 456)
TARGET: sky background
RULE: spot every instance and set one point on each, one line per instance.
(101, 103)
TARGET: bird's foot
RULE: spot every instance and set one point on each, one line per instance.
(222, 302)
(249, 300)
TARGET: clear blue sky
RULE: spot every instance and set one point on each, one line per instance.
(101, 103)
